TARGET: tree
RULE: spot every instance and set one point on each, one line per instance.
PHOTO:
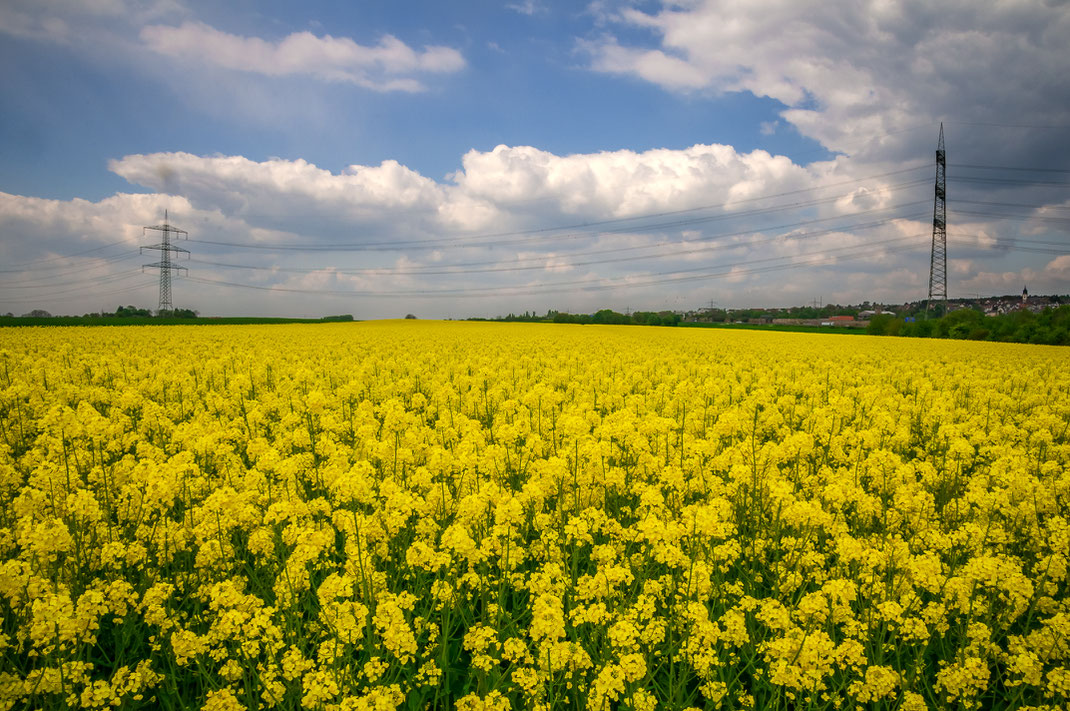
(880, 324)
(610, 316)
(959, 324)
(669, 318)
(130, 311)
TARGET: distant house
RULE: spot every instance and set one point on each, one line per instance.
(841, 319)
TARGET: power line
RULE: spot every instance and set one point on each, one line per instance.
(1014, 204)
(1012, 239)
(1007, 181)
(80, 290)
(703, 240)
(541, 262)
(20, 265)
(31, 280)
(1009, 167)
(79, 287)
(1009, 240)
(48, 282)
(679, 275)
(630, 230)
(1005, 216)
(1034, 250)
(1010, 125)
(1012, 246)
(647, 222)
(475, 240)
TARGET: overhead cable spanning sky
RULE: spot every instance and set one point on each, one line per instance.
(459, 159)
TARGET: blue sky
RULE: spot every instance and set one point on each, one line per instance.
(637, 155)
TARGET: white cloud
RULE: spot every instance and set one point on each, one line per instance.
(239, 183)
(1048, 278)
(870, 79)
(297, 196)
(850, 70)
(652, 65)
(386, 66)
(1059, 268)
(664, 228)
(88, 222)
(81, 22)
(527, 7)
(623, 183)
(505, 188)
(142, 33)
(961, 267)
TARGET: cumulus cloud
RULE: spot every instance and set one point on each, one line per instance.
(639, 220)
(848, 70)
(65, 255)
(623, 183)
(242, 185)
(520, 227)
(386, 66)
(652, 65)
(508, 187)
(1044, 281)
(658, 228)
(1059, 267)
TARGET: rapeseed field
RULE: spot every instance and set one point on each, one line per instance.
(417, 515)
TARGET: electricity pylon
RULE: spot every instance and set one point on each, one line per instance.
(165, 265)
(938, 256)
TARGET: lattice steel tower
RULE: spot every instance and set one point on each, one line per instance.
(938, 256)
(165, 265)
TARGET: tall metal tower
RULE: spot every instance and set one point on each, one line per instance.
(938, 256)
(165, 265)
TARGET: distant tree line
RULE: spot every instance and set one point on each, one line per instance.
(794, 312)
(134, 316)
(120, 312)
(1050, 326)
(604, 316)
(135, 312)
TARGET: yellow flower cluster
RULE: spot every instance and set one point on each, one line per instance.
(498, 516)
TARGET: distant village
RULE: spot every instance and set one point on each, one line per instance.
(859, 316)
